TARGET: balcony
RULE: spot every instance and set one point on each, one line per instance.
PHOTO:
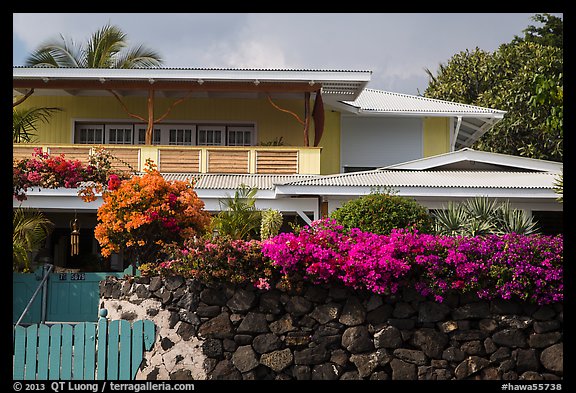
(195, 159)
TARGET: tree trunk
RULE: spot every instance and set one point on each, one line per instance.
(150, 126)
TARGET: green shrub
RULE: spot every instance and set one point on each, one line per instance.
(271, 222)
(381, 212)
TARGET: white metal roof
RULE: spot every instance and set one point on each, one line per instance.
(343, 84)
(468, 158)
(214, 181)
(380, 101)
(470, 122)
(459, 179)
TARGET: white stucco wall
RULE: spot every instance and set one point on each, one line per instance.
(379, 141)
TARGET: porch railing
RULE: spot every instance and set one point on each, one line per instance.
(196, 159)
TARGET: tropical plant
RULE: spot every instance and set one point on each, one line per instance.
(523, 78)
(482, 216)
(25, 121)
(29, 230)
(138, 216)
(380, 212)
(559, 187)
(239, 218)
(271, 222)
(106, 48)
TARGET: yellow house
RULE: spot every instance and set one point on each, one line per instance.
(231, 120)
(259, 127)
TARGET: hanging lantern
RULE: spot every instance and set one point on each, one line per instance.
(74, 237)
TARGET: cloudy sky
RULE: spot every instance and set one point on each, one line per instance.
(396, 47)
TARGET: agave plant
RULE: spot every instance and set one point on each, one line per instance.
(451, 220)
(516, 220)
(30, 229)
(481, 216)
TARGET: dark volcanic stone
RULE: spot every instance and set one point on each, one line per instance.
(225, 370)
(411, 356)
(432, 312)
(283, 325)
(181, 375)
(253, 323)
(500, 306)
(245, 359)
(403, 310)
(166, 343)
(510, 338)
(316, 294)
(173, 282)
(326, 371)
(186, 331)
(207, 311)
(403, 371)
(366, 363)
(546, 326)
(470, 366)
(298, 306)
(213, 297)
(308, 356)
(241, 301)
(353, 313)
(212, 348)
(544, 340)
(243, 339)
(266, 343)
(357, 339)
(431, 341)
(526, 360)
(380, 314)
(544, 313)
(217, 327)
(552, 358)
(453, 354)
(277, 360)
(472, 311)
(297, 339)
(326, 312)
(270, 302)
(142, 292)
(402, 324)
(389, 337)
(155, 283)
(301, 373)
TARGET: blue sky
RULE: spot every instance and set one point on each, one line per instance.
(397, 47)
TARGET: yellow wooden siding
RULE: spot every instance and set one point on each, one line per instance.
(224, 161)
(22, 152)
(179, 160)
(330, 143)
(274, 161)
(436, 136)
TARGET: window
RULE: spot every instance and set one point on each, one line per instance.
(142, 136)
(180, 135)
(239, 136)
(210, 136)
(119, 135)
(89, 134)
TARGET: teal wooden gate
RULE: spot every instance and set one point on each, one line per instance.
(70, 297)
(84, 351)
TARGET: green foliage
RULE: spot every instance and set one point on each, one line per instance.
(381, 212)
(239, 218)
(106, 48)
(25, 121)
(550, 34)
(523, 78)
(29, 230)
(271, 222)
(481, 216)
(559, 187)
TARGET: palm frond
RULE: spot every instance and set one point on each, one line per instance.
(29, 230)
(103, 46)
(24, 122)
(139, 57)
(56, 53)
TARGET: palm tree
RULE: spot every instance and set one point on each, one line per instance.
(30, 229)
(24, 122)
(106, 48)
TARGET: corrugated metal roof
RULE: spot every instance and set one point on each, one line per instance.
(459, 179)
(213, 181)
(380, 101)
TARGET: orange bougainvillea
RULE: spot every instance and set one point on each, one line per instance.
(143, 213)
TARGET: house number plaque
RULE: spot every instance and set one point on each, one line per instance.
(73, 276)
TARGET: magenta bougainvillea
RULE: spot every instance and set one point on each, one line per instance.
(511, 266)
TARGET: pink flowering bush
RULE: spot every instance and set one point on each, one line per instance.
(46, 171)
(218, 260)
(510, 266)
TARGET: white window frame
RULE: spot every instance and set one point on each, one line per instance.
(85, 127)
(244, 130)
(214, 129)
(157, 130)
(169, 128)
(124, 127)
